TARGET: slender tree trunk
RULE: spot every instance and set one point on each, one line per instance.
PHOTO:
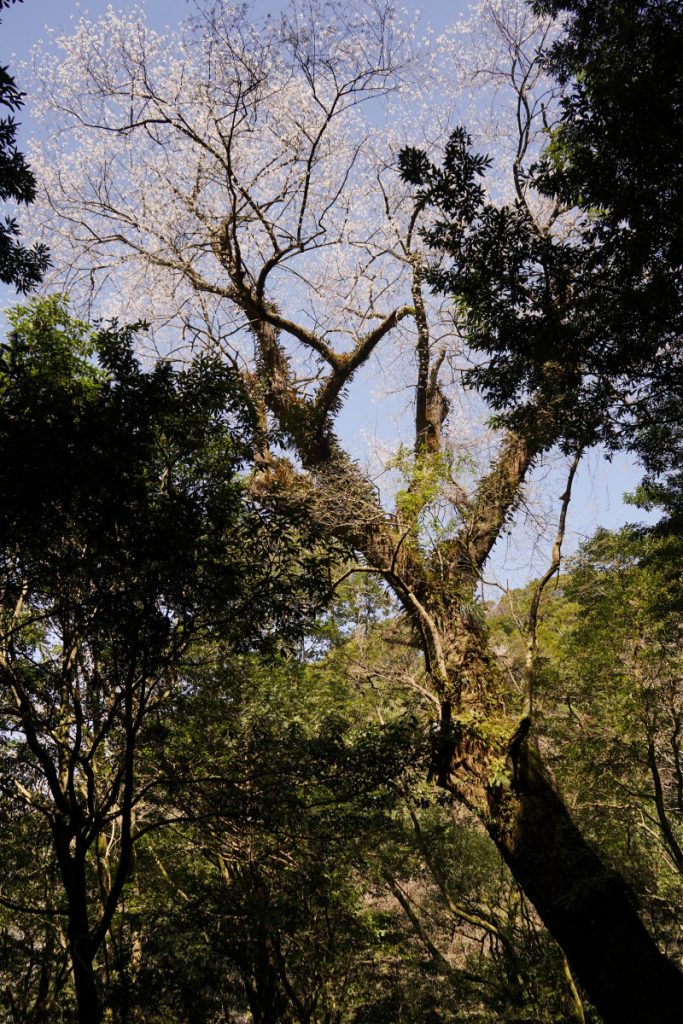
(72, 868)
(87, 996)
(585, 905)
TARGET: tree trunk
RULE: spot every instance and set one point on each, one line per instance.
(584, 905)
(87, 996)
(72, 868)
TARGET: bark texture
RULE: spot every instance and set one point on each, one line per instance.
(585, 905)
(81, 952)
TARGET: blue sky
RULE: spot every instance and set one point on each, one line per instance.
(24, 23)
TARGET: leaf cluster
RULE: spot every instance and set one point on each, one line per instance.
(123, 494)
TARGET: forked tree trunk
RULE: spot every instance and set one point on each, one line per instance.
(584, 905)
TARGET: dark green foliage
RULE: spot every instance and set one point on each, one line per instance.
(284, 798)
(585, 330)
(121, 489)
(617, 154)
(510, 285)
(617, 149)
(19, 266)
(126, 536)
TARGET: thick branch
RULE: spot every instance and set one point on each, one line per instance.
(348, 364)
(493, 502)
(431, 405)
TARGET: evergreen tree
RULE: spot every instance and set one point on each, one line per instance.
(125, 537)
(19, 266)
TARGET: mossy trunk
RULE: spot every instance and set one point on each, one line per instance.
(585, 905)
